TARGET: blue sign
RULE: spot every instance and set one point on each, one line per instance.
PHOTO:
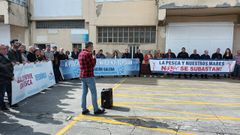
(104, 67)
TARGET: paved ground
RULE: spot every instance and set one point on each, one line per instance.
(143, 106)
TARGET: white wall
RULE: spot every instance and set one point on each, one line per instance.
(5, 34)
(57, 8)
(200, 36)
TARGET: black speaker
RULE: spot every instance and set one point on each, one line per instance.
(107, 98)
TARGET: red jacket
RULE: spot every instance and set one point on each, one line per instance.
(87, 64)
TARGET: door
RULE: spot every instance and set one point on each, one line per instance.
(200, 36)
(133, 49)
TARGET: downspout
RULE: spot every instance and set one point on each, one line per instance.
(29, 22)
(157, 31)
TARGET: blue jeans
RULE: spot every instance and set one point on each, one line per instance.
(91, 84)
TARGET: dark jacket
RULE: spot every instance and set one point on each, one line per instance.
(126, 55)
(31, 57)
(139, 56)
(183, 55)
(170, 56)
(56, 62)
(6, 70)
(100, 56)
(74, 55)
(217, 56)
(205, 57)
(195, 56)
(228, 57)
(14, 56)
(62, 57)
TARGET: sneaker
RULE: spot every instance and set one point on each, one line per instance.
(85, 112)
(99, 112)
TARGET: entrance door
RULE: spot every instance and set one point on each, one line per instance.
(133, 49)
(200, 36)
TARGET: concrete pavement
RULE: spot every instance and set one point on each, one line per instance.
(142, 106)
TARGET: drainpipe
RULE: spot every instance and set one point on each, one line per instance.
(29, 22)
(157, 8)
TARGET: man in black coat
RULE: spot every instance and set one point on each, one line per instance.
(126, 54)
(6, 76)
(170, 55)
(75, 53)
(183, 55)
(195, 55)
(56, 65)
(13, 54)
(217, 56)
(139, 55)
(205, 56)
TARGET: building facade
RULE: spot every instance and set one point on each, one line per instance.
(60, 22)
(120, 24)
(200, 24)
(14, 21)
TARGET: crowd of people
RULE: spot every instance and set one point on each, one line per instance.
(17, 53)
(144, 58)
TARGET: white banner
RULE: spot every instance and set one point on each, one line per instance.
(192, 66)
(30, 79)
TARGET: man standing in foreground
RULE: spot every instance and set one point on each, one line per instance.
(87, 63)
(6, 76)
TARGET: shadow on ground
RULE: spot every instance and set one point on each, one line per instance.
(39, 108)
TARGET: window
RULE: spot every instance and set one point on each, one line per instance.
(79, 46)
(141, 34)
(64, 24)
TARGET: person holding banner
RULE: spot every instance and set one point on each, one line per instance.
(75, 53)
(183, 55)
(100, 55)
(228, 56)
(170, 55)
(115, 54)
(236, 73)
(194, 56)
(87, 63)
(139, 55)
(146, 59)
(126, 54)
(217, 56)
(6, 76)
(205, 56)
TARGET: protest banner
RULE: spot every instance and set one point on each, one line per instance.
(104, 67)
(30, 79)
(192, 66)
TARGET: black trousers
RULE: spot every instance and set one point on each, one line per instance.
(5, 87)
(57, 73)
